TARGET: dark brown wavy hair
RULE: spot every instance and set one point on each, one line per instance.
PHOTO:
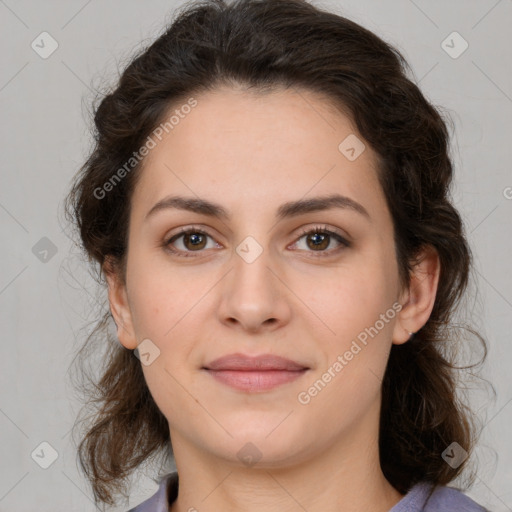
(264, 45)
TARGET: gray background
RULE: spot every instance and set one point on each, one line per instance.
(44, 133)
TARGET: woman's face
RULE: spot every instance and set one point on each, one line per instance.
(254, 284)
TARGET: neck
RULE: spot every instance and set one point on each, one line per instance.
(346, 477)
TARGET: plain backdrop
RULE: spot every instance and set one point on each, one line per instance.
(46, 294)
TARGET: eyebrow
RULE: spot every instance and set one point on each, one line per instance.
(286, 210)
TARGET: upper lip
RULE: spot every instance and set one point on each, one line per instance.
(262, 362)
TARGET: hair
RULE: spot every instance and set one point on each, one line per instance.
(263, 45)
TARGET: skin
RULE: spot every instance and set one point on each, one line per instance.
(251, 154)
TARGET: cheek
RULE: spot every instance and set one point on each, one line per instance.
(161, 310)
(350, 298)
(162, 297)
(359, 311)
(163, 305)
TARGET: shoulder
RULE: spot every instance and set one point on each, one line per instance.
(166, 493)
(420, 498)
(424, 498)
(448, 499)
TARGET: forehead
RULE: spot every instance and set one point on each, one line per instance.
(249, 150)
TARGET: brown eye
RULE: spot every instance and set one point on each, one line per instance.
(319, 239)
(188, 241)
(194, 241)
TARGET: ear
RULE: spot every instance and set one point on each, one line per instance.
(419, 298)
(119, 306)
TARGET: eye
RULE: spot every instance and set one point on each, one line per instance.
(192, 240)
(319, 238)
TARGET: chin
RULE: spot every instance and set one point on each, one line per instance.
(261, 446)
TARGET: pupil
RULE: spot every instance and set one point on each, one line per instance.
(319, 240)
(195, 239)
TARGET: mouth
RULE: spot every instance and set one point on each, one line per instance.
(254, 374)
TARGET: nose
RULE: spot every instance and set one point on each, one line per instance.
(254, 297)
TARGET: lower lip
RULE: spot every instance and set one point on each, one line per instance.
(255, 380)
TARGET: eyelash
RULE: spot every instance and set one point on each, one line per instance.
(315, 230)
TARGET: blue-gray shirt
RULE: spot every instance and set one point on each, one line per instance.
(443, 499)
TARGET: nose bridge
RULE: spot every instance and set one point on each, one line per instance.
(251, 276)
(251, 293)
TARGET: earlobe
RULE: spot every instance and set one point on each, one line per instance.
(420, 296)
(120, 309)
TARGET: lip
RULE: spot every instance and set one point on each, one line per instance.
(255, 373)
(242, 362)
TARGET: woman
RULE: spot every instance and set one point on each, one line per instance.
(269, 203)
